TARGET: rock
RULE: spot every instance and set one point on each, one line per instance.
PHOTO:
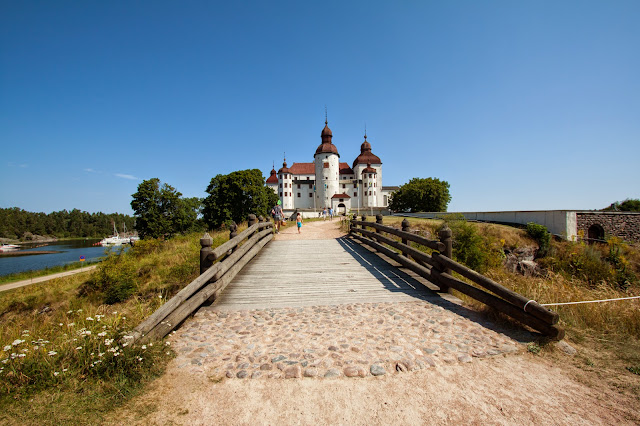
(353, 371)
(464, 358)
(242, 374)
(278, 358)
(229, 375)
(377, 370)
(566, 348)
(400, 367)
(265, 367)
(409, 364)
(310, 372)
(256, 374)
(332, 373)
(293, 372)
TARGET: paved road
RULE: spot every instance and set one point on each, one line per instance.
(23, 283)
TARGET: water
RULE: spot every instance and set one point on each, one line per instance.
(70, 252)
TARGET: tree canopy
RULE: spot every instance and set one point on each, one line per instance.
(422, 195)
(234, 196)
(628, 205)
(16, 223)
(161, 212)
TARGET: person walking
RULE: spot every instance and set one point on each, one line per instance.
(299, 222)
(324, 213)
(330, 213)
(276, 211)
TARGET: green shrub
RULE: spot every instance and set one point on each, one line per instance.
(115, 278)
(542, 237)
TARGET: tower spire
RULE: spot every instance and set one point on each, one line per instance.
(365, 130)
(325, 115)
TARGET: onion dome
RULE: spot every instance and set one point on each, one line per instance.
(369, 169)
(284, 168)
(366, 156)
(273, 178)
(327, 146)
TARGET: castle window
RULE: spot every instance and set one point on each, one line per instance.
(374, 184)
(325, 165)
(298, 195)
(308, 178)
(310, 186)
(344, 186)
(280, 185)
(298, 186)
(355, 184)
(281, 195)
(311, 194)
(369, 175)
(369, 192)
(355, 194)
(341, 200)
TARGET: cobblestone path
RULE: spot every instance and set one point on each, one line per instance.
(353, 340)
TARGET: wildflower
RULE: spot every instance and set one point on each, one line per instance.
(167, 343)
(79, 310)
(25, 332)
(4, 361)
(71, 324)
(125, 344)
(160, 296)
(64, 370)
(128, 337)
(60, 324)
(35, 348)
(52, 353)
(89, 319)
(7, 348)
(100, 354)
(69, 312)
(79, 348)
(150, 344)
(22, 355)
(108, 342)
(144, 346)
(55, 373)
(168, 353)
(102, 334)
(14, 355)
(17, 342)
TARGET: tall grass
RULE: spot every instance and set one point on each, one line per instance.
(63, 338)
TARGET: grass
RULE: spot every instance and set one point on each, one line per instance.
(62, 357)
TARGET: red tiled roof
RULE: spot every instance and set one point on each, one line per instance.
(343, 195)
(302, 169)
(273, 178)
(345, 169)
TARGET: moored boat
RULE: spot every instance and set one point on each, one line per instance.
(8, 247)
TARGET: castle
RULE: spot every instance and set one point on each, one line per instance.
(328, 183)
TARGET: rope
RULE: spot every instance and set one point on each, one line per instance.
(586, 301)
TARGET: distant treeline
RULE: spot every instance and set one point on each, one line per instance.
(16, 223)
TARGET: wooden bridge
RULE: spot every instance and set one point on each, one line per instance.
(378, 265)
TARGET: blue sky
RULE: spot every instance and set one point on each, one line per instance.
(519, 105)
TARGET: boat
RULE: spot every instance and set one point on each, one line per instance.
(8, 247)
(114, 240)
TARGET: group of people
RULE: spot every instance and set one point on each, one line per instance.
(326, 212)
(278, 217)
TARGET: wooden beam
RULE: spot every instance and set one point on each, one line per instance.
(512, 297)
(184, 310)
(553, 331)
(415, 253)
(432, 244)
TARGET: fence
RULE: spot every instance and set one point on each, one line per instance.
(439, 266)
(217, 268)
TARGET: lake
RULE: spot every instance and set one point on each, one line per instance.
(70, 252)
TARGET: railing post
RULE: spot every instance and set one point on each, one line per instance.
(205, 242)
(252, 220)
(260, 219)
(445, 235)
(379, 222)
(233, 232)
(405, 228)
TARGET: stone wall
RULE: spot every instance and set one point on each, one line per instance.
(619, 224)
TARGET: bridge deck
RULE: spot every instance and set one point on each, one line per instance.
(319, 272)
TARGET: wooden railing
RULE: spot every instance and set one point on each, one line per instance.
(217, 268)
(438, 268)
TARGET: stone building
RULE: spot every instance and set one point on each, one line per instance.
(328, 182)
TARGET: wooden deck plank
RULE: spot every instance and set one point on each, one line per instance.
(319, 272)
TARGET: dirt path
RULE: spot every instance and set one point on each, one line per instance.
(509, 388)
(18, 284)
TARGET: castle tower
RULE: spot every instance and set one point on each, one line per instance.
(285, 182)
(369, 186)
(327, 168)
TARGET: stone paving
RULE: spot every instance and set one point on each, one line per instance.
(353, 340)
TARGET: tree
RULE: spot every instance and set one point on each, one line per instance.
(422, 195)
(157, 209)
(628, 205)
(234, 196)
